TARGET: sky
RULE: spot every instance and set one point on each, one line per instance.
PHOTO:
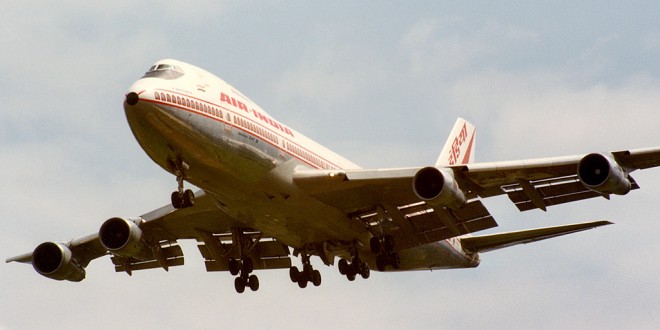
(381, 84)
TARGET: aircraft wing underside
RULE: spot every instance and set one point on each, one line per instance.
(161, 229)
(385, 196)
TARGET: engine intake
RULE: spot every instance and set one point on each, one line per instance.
(437, 187)
(123, 237)
(603, 174)
(56, 261)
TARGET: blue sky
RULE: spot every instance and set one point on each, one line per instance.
(378, 83)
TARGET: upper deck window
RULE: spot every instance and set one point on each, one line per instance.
(164, 71)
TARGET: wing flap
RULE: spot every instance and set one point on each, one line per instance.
(264, 255)
(417, 224)
(172, 255)
(542, 193)
(498, 241)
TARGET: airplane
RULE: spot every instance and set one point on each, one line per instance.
(268, 194)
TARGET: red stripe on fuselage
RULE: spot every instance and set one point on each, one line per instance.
(176, 105)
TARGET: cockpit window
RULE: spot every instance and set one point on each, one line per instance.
(164, 71)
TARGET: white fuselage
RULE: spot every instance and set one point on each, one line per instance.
(243, 158)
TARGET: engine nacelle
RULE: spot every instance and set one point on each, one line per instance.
(437, 187)
(56, 261)
(123, 237)
(601, 173)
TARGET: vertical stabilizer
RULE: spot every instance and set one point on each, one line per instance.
(459, 148)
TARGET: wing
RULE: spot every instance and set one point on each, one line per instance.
(539, 183)
(498, 241)
(419, 205)
(150, 241)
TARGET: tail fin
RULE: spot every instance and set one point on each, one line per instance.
(459, 148)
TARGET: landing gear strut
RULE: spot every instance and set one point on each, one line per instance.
(181, 198)
(308, 273)
(384, 247)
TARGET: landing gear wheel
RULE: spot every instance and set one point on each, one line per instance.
(395, 260)
(316, 278)
(388, 243)
(365, 272)
(234, 267)
(188, 198)
(351, 276)
(177, 200)
(239, 285)
(302, 283)
(381, 262)
(374, 244)
(294, 274)
(253, 282)
(343, 266)
(248, 266)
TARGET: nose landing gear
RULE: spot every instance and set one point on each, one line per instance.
(181, 198)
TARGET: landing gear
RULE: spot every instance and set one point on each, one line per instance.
(354, 268)
(384, 246)
(245, 267)
(308, 273)
(181, 198)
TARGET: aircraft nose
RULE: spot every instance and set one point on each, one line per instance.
(132, 98)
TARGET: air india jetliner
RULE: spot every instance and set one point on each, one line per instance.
(269, 193)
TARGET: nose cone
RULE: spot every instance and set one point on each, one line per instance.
(132, 98)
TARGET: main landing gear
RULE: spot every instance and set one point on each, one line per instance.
(355, 267)
(308, 274)
(181, 198)
(243, 268)
(384, 247)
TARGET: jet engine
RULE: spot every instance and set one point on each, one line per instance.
(437, 187)
(56, 261)
(601, 173)
(123, 238)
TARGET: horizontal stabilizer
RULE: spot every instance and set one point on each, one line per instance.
(497, 241)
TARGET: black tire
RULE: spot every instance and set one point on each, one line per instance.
(316, 278)
(253, 282)
(365, 272)
(388, 243)
(302, 283)
(351, 276)
(381, 262)
(188, 198)
(294, 274)
(177, 200)
(234, 266)
(374, 244)
(395, 260)
(343, 266)
(239, 285)
(248, 266)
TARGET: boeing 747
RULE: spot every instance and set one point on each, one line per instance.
(268, 193)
